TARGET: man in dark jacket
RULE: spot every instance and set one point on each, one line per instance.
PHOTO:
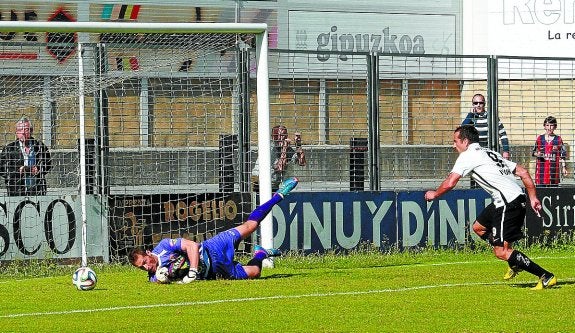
(25, 162)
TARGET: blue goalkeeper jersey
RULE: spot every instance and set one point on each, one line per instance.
(170, 255)
(216, 258)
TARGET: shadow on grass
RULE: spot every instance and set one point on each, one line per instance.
(529, 285)
(280, 276)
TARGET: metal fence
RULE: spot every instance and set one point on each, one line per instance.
(368, 121)
(406, 108)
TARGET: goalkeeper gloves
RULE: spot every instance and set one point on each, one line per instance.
(192, 276)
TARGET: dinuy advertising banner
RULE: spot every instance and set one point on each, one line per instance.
(319, 222)
(49, 227)
(315, 222)
(385, 33)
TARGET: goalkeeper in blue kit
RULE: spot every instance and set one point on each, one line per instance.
(182, 260)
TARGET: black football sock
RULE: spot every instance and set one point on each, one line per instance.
(256, 261)
(521, 261)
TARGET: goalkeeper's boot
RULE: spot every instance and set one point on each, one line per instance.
(287, 186)
(546, 281)
(269, 252)
(511, 273)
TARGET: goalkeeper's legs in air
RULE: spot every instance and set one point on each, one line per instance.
(260, 212)
(254, 266)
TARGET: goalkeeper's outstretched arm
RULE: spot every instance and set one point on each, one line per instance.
(192, 250)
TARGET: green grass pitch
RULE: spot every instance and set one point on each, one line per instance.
(430, 291)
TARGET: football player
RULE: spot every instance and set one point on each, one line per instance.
(501, 221)
(185, 261)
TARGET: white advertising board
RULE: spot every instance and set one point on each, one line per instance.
(49, 227)
(541, 28)
(387, 33)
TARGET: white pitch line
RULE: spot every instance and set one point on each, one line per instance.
(488, 261)
(254, 299)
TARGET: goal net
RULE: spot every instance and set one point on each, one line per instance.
(147, 128)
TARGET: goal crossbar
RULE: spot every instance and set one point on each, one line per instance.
(134, 27)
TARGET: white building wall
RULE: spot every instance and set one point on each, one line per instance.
(543, 28)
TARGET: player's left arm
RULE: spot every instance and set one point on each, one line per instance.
(447, 185)
(522, 173)
(192, 250)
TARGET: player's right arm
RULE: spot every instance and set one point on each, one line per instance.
(447, 185)
(192, 250)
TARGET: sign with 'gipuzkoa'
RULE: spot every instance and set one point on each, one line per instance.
(381, 33)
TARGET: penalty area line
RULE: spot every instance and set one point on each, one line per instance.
(253, 299)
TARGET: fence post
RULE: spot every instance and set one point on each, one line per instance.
(227, 144)
(357, 153)
(492, 107)
(373, 121)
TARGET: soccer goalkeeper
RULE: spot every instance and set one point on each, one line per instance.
(184, 261)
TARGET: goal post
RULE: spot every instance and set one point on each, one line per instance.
(75, 78)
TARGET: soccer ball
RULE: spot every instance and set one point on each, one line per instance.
(84, 278)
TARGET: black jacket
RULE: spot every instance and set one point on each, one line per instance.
(11, 159)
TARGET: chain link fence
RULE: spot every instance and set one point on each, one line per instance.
(367, 121)
(405, 108)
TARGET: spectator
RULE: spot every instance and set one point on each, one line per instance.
(25, 162)
(550, 154)
(282, 154)
(478, 118)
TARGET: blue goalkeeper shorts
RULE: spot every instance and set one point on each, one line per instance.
(221, 250)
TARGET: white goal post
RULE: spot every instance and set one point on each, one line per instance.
(259, 30)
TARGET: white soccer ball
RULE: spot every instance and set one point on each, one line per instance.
(84, 278)
(162, 275)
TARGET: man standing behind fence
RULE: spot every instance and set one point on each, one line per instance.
(282, 154)
(25, 162)
(478, 118)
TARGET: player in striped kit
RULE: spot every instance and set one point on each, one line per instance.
(501, 221)
(550, 154)
(182, 260)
